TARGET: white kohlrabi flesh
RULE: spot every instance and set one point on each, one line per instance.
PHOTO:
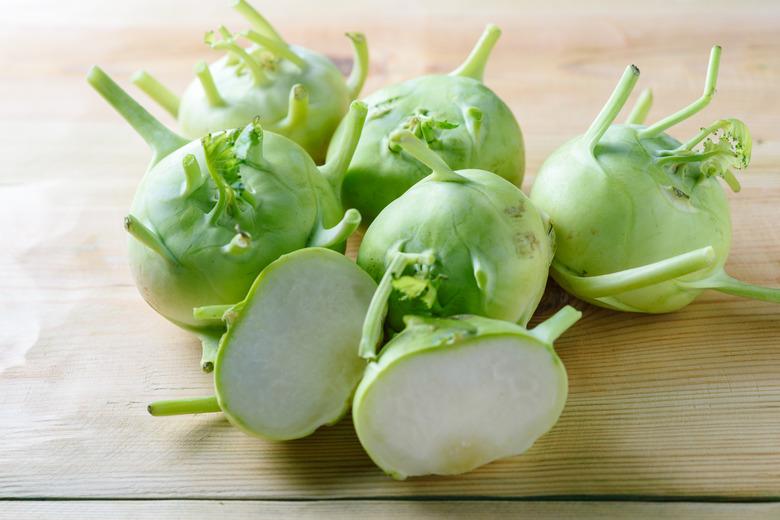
(641, 219)
(288, 362)
(449, 395)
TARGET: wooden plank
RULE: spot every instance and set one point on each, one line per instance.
(379, 510)
(679, 405)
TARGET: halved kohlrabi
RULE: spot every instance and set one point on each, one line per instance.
(289, 361)
(449, 395)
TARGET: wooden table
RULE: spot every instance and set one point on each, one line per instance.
(674, 416)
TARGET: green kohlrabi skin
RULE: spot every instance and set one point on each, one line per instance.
(210, 214)
(456, 114)
(642, 222)
(293, 91)
(474, 241)
(474, 442)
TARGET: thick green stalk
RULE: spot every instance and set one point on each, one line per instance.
(357, 77)
(159, 138)
(474, 66)
(612, 108)
(709, 91)
(329, 237)
(297, 108)
(277, 47)
(377, 309)
(720, 281)
(157, 91)
(340, 153)
(641, 108)
(256, 20)
(184, 406)
(149, 238)
(213, 96)
(419, 150)
(638, 277)
(192, 175)
(552, 328)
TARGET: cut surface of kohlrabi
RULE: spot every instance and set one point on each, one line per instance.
(289, 362)
(449, 395)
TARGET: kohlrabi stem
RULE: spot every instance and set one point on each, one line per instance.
(159, 138)
(377, 309)
(340, 153)
(276, 46)
(474, 66)
(297, 108)
(184, 406)
(703, 133)
(614, 104)
(213, 96)
(256, 20)
(357, 77)
(157, 91)
(211, 312)
(615, 283)
(419, 150)
(258, 75)
(641, 108)
(720, 281)
(192, 175)
(149, 238)
(322, 237)
(693, 108)
(552, 328)
(210, 342)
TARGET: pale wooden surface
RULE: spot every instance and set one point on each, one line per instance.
(685, 405)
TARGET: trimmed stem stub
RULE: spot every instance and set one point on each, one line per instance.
(184, 406)
(720, 281)
(203, 74)
(335, 168)
(160, 139)
(551, 329)
(377, 310)
(612, 108)
(710, 83)
(357, 77)
(638, 277)
(420, 151)
(157, 91)
(474, 66)
(641, 108)
(149, 238)
(329, 237)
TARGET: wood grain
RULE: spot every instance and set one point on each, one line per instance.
(380, 509)
(683, 405)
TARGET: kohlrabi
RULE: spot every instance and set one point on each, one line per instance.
(288, 362)
(458, 242)
(210, 214)
(460, 118)
(293, 91)
(449, 395)
(641, 220)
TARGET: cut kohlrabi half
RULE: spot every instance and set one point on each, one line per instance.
(289, 361)
(449, 395)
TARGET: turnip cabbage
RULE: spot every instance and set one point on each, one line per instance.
(288, 362)
(294, 91)
(449, 395)
(458, 117)
(465, 242)
(210, 214)
(641, 220)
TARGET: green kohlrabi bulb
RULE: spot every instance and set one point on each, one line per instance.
(465, 242)
(210, 214)
(458, 117)
(293, 91)
(641, 220)
(449, 395)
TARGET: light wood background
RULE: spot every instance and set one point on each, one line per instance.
(683, 408)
